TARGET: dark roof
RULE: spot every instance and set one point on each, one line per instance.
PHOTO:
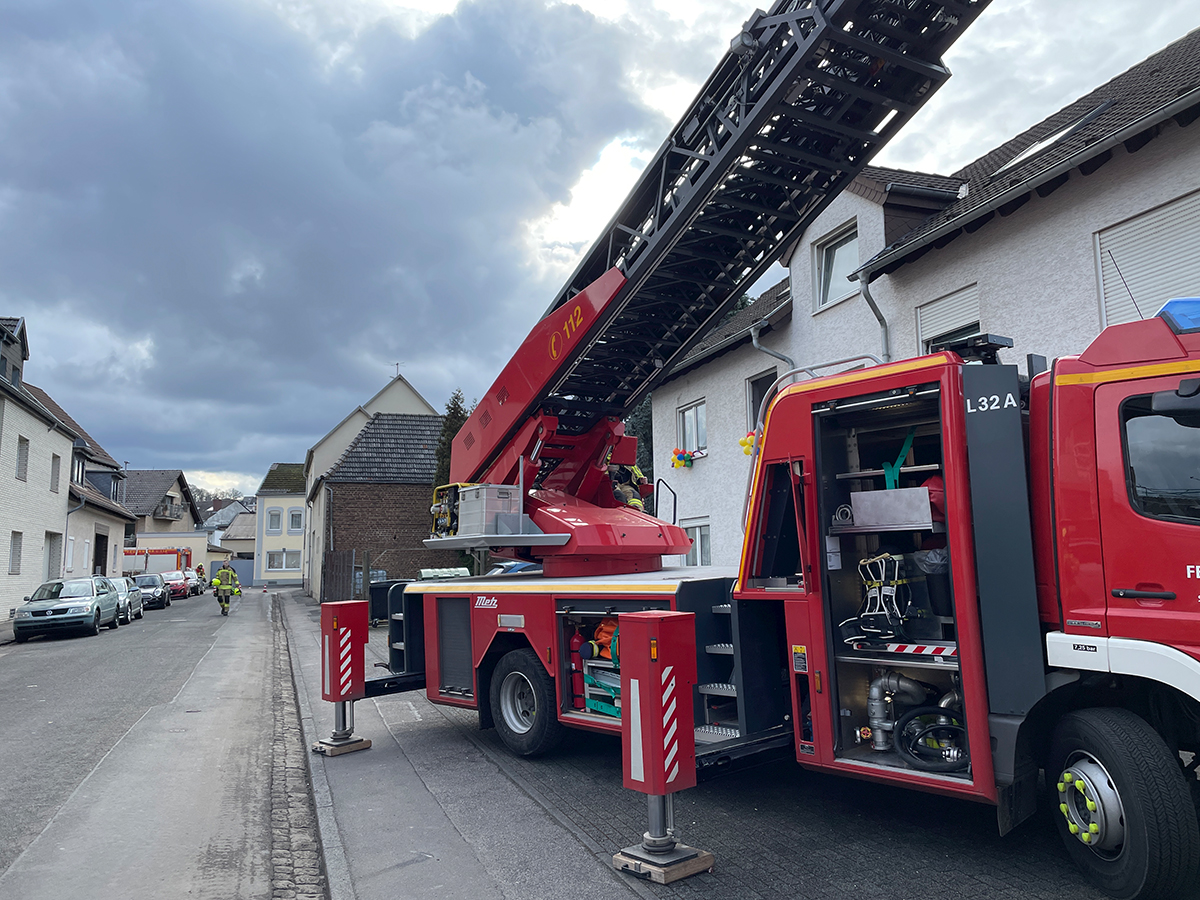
(283, 478)
(242, 528)
(393, 448)
(774, 304)
(145, 489)
(98, 453)
(9, 322)
(225, 515)
(886, 176)
(88, 493)
(1129, 109)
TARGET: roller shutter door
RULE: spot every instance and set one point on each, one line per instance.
(1158, 253)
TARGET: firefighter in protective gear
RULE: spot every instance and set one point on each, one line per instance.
(224, 585)
(626, 481)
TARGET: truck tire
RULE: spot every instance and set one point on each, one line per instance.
(1132, 826)
(522, 697)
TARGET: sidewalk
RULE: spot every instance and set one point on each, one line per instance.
(427, 812)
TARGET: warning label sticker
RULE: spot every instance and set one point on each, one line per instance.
(799, 658)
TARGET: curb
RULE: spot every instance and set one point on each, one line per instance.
(337, 869)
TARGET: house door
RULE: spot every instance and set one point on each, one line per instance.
(100, 558)
(1148, 456)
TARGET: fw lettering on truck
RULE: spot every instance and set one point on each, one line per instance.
(962, 576)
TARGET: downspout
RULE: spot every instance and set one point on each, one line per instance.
(754, 330)
(884, 339)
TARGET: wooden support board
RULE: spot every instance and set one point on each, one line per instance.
(664, 874)
(331, 748)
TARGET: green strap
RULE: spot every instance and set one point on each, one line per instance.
(891, 472)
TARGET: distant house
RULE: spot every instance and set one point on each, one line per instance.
(396, 397)
(378, 496)
(239, 536)
(279, 526)
(220, 518)
(167, 517)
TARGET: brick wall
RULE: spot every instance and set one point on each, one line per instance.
(388, 522)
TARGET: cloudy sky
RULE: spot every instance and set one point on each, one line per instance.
(225, 221)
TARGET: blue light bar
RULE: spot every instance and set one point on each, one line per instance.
(1182, 314)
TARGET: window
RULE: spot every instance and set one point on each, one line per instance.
(22, 458)
(295, 521)
(956, 315)
(1162, 459)
(14, 553)
(836, 258)
(114, 490)
(274, 521)
(77, 468)
(956, 335)
(70, 554)
(278, 560)
(693, 432)
(55, 467)
(701, 552)
(1055, 137)
(756, 389)
(16, 377)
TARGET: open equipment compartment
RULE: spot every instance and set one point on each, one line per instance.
(889, 608)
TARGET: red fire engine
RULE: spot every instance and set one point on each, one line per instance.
(952, 576)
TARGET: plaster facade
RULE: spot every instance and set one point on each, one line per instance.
(285, 540)
(711, 492)
(1036, 269)
(28, 506)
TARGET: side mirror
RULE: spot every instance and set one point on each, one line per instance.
(26, 599)
(1183, 405)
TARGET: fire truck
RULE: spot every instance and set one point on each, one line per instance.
(953, 576)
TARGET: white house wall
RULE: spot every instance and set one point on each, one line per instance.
(29, 506)
(712, 490)
(1035, 269)
(83, 526)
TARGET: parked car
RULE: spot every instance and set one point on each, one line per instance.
(131, 599)
(176, 584)
(195, 586)
(154, 590)
(66, 604)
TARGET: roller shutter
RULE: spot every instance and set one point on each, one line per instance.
(1158, 253)
(948, 314)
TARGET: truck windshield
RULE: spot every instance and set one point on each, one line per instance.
(1163, 462)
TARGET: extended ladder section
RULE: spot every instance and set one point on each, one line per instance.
(804, 98)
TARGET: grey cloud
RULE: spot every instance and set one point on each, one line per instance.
(280, 228)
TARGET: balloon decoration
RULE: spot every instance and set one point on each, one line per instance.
(681, 458)
(747, 442)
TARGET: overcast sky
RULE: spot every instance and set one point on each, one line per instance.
(225, 221)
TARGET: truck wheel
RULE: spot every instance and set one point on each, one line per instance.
(1126, 813)
(522, 696)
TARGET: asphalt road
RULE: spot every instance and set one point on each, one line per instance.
(133, 760)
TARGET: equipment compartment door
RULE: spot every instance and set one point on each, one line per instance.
(1148, 468)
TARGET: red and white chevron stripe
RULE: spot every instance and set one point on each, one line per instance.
(670, 726)
(918, 649)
